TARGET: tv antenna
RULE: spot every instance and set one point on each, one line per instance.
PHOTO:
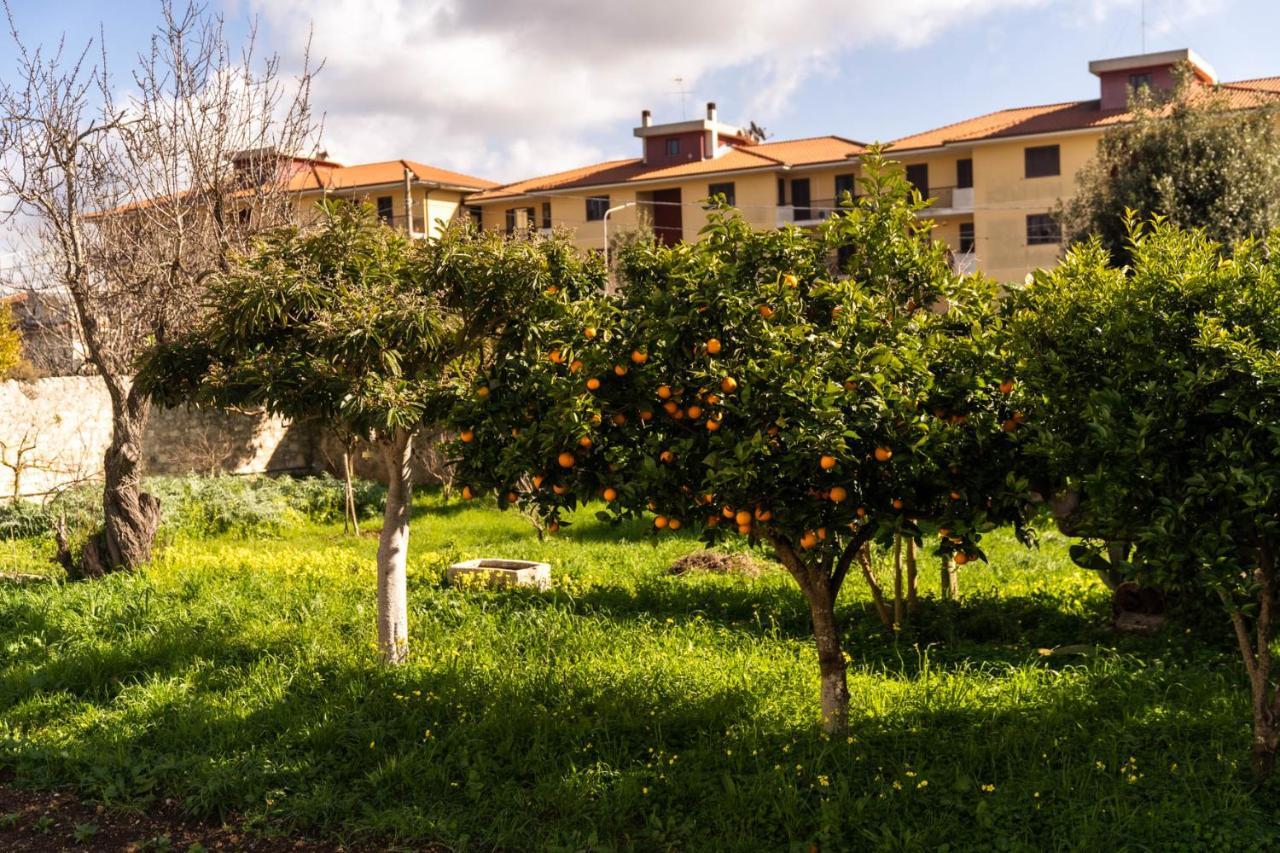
(684, 97)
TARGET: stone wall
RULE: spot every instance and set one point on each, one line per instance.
(53, 432)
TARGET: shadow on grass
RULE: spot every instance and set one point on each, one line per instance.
(637, 758)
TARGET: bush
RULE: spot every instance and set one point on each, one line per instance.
(202, 506)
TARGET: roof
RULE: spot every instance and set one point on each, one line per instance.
(738, 158)
(1072, 115)
(329, 176)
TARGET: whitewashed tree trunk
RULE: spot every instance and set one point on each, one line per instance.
(393, 551)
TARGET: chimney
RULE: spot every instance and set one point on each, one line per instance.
(713, 134)
(646, 119)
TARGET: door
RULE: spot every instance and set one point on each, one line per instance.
(668, 221)
(800, 199)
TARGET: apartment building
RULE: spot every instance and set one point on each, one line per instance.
(407, 195)
(993, 179)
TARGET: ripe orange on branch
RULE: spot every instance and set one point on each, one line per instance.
(883, 454)
(566, 460)
(827, 462)
(714, 346)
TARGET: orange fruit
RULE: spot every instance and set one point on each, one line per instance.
(610, 494)
(1009, 425)
(808, 540)
(556, 356)
(822, 533)
(619, 419)
(897, 503)
(661, 522)
(1006, 387)
(744, 529)
(955, 496)
(467, 436)
(883, 454)
(678, 414)
(575, 365)
(826, 463)
(515, 432)
(664, 392)
(728, 385)
(742, 517)
(553, 528)
(674, 524)
(667, 456)
(861, 512)
(585, 441)
(713, 521)
(639, 357)
(727, 512)
(713, 424)
(593, 384)
(790, 280)
(566, 460)
(620, 369)
(512, 497)
(483, 392)
(765, 312)
(714, 346)
(552, 290)
(944, 532)
(960, 558)
(646, 415)
(764, 515)
(713, 399)
(838, 493)
(670, 407)
(589, 332)
(694, 412)
(467, 494)
(559, 488)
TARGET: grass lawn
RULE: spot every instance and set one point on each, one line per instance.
(624, 709)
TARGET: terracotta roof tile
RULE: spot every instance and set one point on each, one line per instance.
(1073, 115)
(334, 177)
(795, 152)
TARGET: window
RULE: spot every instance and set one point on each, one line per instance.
(384, 208)
(1042, 229)
(596, 207)
(964, 174)
(725, 189)
(530, 218)
(546, 214)
(966, 238)
(800, 199)
(782, 192)
(477, 217)
(1042, 161)
(511, 221)
(918, 177)
(1138, 81)
(844, 184)
(673, 147)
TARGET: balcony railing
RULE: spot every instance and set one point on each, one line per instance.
(398, 222)
(946, 200)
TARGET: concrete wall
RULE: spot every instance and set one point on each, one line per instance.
(55, 432)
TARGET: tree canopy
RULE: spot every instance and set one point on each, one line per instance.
(1191, 156)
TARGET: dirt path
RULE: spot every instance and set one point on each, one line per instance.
(51, 822)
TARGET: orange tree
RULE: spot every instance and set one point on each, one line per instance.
(814, 391)
(1153, 395)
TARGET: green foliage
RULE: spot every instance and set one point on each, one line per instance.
(10, 341)
(1190, 156)
(353, 323)
(204, 506)
(623, 709)
(891, 352)
(1156, 392)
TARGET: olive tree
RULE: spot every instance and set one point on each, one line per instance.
(355, 325)
(1153, 398)
(814, 392)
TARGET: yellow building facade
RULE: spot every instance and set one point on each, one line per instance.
(994, 180)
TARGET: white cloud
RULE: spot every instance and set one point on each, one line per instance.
(503, 88)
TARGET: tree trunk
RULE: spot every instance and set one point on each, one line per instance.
(877, 594)
(950, 579)
(834, 688)
(913, 595)
(130, 515)
(350, 519)
(897, 580)
(393, 549)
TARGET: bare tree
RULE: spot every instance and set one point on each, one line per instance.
(137, 198)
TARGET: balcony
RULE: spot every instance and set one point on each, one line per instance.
(810, 214)
(397, 222)
(946, 201)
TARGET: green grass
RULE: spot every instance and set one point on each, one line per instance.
(625, 708)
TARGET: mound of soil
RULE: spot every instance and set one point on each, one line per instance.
(716, 562)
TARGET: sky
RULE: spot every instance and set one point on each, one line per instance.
(506, 89)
